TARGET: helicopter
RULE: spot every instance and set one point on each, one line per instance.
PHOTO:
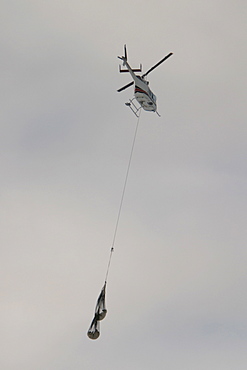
(142, 93)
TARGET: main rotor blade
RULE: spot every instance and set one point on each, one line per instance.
(125, 87)
(156, 65)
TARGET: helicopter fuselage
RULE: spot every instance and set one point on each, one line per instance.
(143, 94)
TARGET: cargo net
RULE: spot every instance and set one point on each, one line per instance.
(100, 313)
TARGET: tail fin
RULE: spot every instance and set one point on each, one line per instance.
(125, 53)
(124, 57)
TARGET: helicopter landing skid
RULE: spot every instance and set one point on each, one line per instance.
(133, 107)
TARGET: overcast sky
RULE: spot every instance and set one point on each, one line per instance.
(176, 295)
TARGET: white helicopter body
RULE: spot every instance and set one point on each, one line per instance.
(142, 93)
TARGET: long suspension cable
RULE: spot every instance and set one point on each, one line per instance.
(122, 197)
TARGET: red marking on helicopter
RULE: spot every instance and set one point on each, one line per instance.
(137, 89)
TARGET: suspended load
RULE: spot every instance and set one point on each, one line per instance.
(100, 314)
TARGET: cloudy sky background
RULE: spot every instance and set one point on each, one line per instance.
(176, 295)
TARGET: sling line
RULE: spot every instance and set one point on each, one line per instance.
(122, 198)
